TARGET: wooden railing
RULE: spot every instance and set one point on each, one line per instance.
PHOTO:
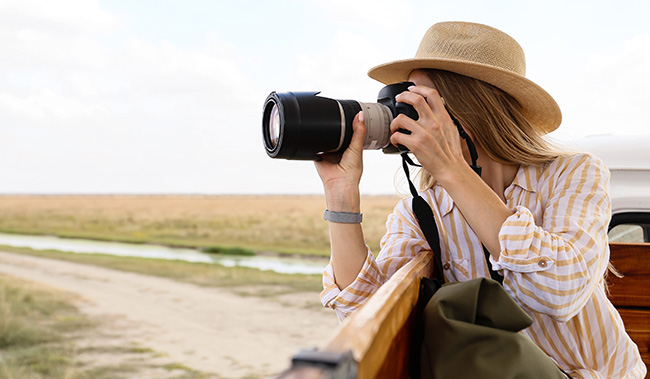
(374, 342)
(631, 293)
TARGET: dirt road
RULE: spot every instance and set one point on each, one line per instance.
(208, 329)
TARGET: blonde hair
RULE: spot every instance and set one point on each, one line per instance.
(494, 120)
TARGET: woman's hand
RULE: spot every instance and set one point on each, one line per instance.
(435, 141)
(341, 173)
(434, 138)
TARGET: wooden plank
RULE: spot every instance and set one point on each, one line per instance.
(398, 358)
(633, 261)
(371, 330)
(631, 294)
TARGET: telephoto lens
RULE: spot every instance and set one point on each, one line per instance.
(301, 125)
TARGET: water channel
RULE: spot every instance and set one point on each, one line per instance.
(81, 246)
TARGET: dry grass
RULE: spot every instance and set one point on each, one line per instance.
(43, 335)
(291, 224)
(34, 326)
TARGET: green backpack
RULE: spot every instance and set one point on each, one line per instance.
(471, 330)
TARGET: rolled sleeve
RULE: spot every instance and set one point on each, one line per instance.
(346, 300)
(402, 241)
(553, 266)
(519, 241)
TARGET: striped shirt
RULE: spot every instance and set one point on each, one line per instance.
(554, 255)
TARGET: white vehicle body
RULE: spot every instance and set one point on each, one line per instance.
(628, 159)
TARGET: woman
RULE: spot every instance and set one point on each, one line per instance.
(541, 214)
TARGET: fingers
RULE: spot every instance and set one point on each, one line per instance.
(358, 133)
(437, 104)
(433, 124)
(356, 142)
(431, 95)
(352, 155)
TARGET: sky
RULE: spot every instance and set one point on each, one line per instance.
(161, 96)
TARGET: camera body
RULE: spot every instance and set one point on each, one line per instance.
(301, 125)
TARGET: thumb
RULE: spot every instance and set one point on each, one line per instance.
(358, 133)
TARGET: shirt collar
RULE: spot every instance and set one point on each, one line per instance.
(526, 178)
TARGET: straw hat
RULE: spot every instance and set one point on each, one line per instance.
(483, 53)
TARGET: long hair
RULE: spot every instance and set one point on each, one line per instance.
(495, 121)
(493, 118)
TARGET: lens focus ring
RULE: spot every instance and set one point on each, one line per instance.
(377, 118)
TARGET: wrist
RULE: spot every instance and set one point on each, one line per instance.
(455, 175)
(342, 217)
(343, 201)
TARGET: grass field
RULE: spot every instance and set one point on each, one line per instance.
(283, 224)
(34, 323)
(40, 331)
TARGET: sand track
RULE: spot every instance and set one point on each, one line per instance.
(207, 329)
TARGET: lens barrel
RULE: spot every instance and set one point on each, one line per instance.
(308, 125)
(301, 125)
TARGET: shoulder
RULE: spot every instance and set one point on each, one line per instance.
(434, 196)
(402, 211)
(575, 161)
(573, 174)
(576, 167)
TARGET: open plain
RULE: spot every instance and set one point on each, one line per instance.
(212, 331)
(212, 322)
(285, 224)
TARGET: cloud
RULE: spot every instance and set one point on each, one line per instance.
(340, 69)
(66, 16)
(376, 14)
(45, 34)
(611, 92)
(96, 101)
(83, 116)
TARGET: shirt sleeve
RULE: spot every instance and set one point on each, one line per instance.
(553, 268)
(402, 242)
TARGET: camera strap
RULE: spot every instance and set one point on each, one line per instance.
(470, 144)
(424, 214)
(427, 221)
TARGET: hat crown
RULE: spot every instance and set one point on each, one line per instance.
(483, 53)
(470, 42)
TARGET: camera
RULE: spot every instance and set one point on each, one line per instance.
(301, 125)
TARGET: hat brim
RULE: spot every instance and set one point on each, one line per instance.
(539, 108)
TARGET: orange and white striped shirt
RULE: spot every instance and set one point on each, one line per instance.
(554, 254)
